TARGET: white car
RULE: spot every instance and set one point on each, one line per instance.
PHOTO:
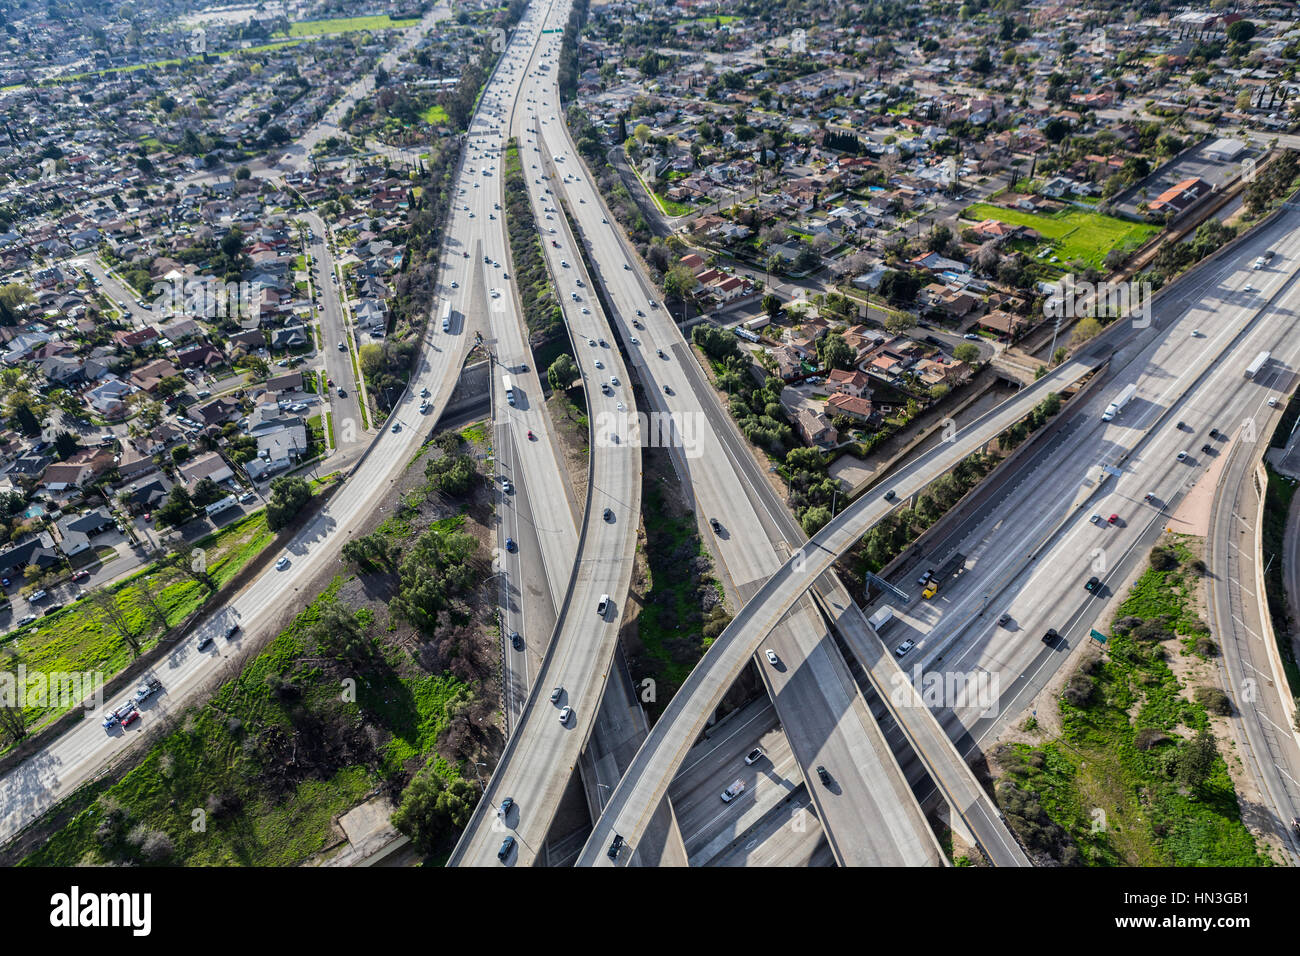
(282, 564)
(564, 714)
(771, 657)
(903, 648)
(754, 756)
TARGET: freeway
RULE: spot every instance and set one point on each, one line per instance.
(540, 756)
(53, 772)
(823, 714)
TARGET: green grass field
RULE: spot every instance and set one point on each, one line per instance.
(707, 21)
(348, 25)
(435, 116)
(1075, 234)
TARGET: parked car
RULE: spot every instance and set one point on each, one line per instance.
(130, 718)
(38, 595)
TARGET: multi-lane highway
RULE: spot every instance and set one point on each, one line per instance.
(561, 708)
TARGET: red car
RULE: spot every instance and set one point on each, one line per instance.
(80, 575)
(1113, 519)
(530, 434)
(130, 718)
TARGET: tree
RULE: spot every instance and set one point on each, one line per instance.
(771, 305)
(1085, 329)
(433, 810)
(338, 632)
(452, 475)
(815, 518)
(178, 509)
(232, 243)
(835, 352)
(679, 282)
(967, 352)
(562, 372)
(288, 496)
(206, 491)
(1196, 759)
(1241, 31)
(106, 602)
(641, 133)
(243, 172)
(65, 444)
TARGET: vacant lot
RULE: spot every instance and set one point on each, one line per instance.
(347, 25)
(1074, 233)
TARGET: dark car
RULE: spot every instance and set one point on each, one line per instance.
(615, 847)
(504, 810)
(555, 695)
(1207, 448)
(203, 641)
(823, 775)
(507, 845)
(1093, 584)
(516, 641)
(1004, 620)
(232, 630)
(1214, 433)
(889, 495)
(1050, 637)
(713, 523)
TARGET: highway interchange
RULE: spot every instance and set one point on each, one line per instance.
(1028, 547)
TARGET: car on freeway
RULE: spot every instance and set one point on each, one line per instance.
(1004, 620)
(1197, 334)
(565, 711)
(823, 776)
(889, 495)
(732, 792)
(1113, 519)
(1272, 401)
(667, 390)
(282, 564)
(343, 346)
(754, 756)
(131, 718)
(506, 804)
(510, 545)
(1182, 456)
(609, 514)
(232, 630)
(1207, 448)
(556, 693)
(634, 340)
(397, 426)
(1095, 519)
(531, 436)
(903, 648)
(1050, 637)
(1093, 584)
(615, 846)
(507, 845)
(771, 657)
(203, 641)
(715, 525)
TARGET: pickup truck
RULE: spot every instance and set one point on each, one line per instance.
(147, 689)
(732, 792)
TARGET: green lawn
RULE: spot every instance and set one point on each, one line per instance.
(707, 21)
(1075, 234)
(348, 25)
(435, 116)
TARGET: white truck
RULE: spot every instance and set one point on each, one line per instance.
(732, 792)
(881, 617)
(1115, 407)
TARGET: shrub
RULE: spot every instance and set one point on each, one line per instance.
(1214, 700)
